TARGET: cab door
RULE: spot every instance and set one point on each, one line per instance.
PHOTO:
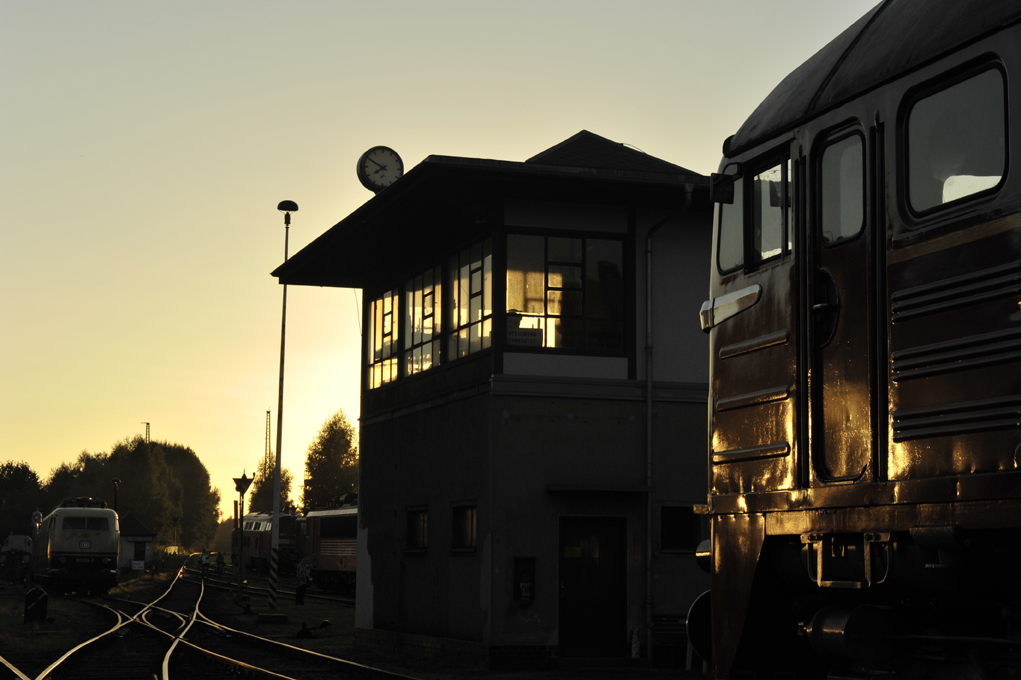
(753, 323)
(840, 315)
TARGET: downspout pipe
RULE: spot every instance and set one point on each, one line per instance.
(689, 190)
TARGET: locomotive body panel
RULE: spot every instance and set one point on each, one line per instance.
(865, 333)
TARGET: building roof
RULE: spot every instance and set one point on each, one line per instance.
(894, 37)
(132, 526)
(444, 201)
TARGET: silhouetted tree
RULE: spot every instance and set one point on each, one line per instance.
(260, 496)
(159, 481)
(20, 493)
(331, 463)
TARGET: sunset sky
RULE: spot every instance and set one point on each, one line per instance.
(145, 146)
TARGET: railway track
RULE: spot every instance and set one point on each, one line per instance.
(170, 637)
(285, 587)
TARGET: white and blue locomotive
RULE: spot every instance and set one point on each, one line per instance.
(77, 547)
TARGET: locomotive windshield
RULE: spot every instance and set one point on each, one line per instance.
(86, 523)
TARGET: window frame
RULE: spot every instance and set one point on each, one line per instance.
(472, 509)
(914, 219)
(585, 236)
(411, 511)
(396, 354)
(750, 256)
(824, 143)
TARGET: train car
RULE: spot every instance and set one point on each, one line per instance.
(257, 531)
(864, 488)
(77, 547)
(331, 544)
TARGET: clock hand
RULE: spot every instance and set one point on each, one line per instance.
(378, 164)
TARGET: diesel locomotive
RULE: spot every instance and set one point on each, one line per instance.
(77, 547)
(864, 487)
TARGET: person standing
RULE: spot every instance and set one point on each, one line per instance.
(204, 561)
(304, 574)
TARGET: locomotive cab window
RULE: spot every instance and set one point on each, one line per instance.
(957, 142)
(756, 228)
(843, 189)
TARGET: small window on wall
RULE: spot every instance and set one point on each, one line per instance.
(382, 336)
(463, 527)
(417, 534)
(842, 198)
(565, 292)
(957, 141)
(422, 302)
(470, 303)
(679, 528)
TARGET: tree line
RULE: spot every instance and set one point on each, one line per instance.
(168, 488)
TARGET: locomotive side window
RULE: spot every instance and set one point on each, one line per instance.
(956, 142)
(731, 254)
(767, 214)
(73, 524)
(843, 190)
(756, 228)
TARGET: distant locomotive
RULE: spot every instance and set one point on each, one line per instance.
(330, 543)
(77, 547)
(257, 531)
(865, 333)
(326, 536)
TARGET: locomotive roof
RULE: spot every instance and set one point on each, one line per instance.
(894, 37)
(346, 511)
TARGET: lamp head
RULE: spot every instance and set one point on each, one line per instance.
(287, 206)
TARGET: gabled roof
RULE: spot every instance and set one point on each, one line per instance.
(587, 150)
(132, 526)
(444, 201)
(894, 37)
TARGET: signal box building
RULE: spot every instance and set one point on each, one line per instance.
(533, 409)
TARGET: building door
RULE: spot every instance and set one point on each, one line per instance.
(593, 586)
(840, 315)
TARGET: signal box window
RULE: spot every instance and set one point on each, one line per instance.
(843, 190)
(565, 292)
(679, 528)
(383, 348)
(463, 527)
(417, 535)
(470, 305)
(957, 142)
(422, 302)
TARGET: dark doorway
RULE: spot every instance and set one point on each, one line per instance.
(593, 586)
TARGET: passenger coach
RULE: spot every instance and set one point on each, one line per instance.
(865, 326)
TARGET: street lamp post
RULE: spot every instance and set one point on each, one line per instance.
(241, 485)
(286, 207)
(116, 483)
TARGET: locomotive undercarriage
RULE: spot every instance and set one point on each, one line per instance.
(918, 599)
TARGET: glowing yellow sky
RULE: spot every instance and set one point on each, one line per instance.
(145, 146)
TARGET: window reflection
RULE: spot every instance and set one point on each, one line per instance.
(957, 141)
(422, 306)
(470, 304)
(843, 190)
(382, 340)
(564, 292)
(767, 218)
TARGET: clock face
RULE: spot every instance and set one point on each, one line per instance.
(379, 167)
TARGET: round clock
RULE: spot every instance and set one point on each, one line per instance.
(379, 167)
